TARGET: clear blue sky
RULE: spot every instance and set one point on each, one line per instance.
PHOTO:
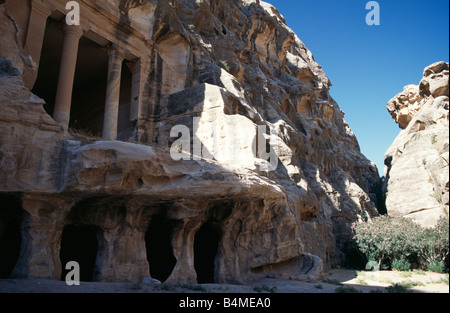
(369, 65)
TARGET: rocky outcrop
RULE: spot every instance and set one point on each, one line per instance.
(417, 163)
(190, 194)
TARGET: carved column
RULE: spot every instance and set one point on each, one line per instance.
(110, 121)
(136, 88)
(63, 100)
(34, 40)
(41, 237)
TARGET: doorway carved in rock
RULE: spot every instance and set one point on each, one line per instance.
(158, 240)
(79, 243)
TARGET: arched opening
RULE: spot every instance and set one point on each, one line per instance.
(206, 243)
(80, 244)
(304, 107)
(11, 215)
(158, 241)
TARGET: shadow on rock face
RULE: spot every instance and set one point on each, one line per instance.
(6, 68)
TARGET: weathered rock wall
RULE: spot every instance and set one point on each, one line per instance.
(417, 163)
(231, 65)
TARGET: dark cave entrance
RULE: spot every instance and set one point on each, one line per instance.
(11, 216)
(206, 243)
(80, 244)
(158, 241)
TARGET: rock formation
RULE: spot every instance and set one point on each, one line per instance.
(417, 163)
(154, 165)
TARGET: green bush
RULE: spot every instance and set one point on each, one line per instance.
(401, 264)
(396, 242)
(386, 239)
(433, 245)
(397, 288)
(347, 290)
(332, 282)
(223, 64)
(436, 266)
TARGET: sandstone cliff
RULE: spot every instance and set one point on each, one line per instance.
(417, 163)
(232, 65)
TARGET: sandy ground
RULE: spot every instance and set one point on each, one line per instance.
(333, 281)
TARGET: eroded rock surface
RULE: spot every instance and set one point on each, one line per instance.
(220, 69)
(417, 172)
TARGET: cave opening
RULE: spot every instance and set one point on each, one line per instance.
(304, 107)
(79, 243)
(158, 241)
(206, 243)
(11, 216)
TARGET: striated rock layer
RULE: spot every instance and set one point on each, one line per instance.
(417, 163)
(218, 68)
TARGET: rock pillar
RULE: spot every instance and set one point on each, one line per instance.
(34, 40)
(72, 35)
(123, 254)
(136, 88)
(110, 121)
(41, 236)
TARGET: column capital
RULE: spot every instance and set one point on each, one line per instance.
(139, 64)
(73, 29)
(134, 66)
(117, 52)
